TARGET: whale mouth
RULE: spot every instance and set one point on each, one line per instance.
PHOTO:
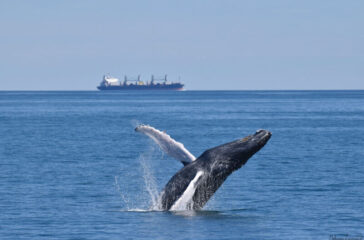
(261, 136)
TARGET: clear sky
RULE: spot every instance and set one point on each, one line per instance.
(258, 44)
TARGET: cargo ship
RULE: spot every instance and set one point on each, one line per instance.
(111, 83)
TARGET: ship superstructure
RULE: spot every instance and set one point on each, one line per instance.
(111, 83)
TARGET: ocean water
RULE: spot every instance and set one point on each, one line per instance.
(72, 167)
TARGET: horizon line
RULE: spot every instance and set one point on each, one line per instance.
(155, 90)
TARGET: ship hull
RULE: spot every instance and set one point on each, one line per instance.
(172, 87)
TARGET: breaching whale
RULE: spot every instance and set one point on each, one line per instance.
(192, 186)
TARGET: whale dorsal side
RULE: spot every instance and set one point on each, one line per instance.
(170, 146)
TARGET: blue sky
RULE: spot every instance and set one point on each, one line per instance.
(280, 44)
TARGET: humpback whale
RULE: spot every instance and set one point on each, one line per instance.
(193, 185)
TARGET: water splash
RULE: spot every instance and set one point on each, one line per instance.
(141, 193)
(150, 182)
(123, 197)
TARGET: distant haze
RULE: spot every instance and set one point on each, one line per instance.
(212, 45)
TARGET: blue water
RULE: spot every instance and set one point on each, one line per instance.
(72, 167)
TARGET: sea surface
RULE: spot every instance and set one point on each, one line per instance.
(72, 166)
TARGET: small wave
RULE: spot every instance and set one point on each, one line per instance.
(140, 210)
(137, 210)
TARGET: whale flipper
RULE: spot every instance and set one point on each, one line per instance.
(167, 144)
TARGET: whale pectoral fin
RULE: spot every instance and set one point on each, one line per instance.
(167, 144)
